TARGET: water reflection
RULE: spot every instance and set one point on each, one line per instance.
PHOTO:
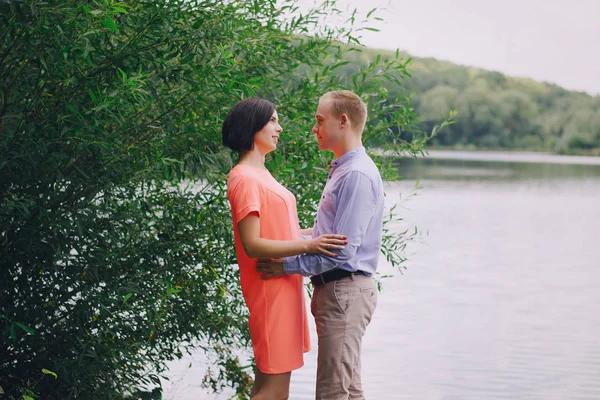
(499, 166)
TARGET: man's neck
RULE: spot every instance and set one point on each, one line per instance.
(348, 146)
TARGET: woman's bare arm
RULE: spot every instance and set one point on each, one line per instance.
(257, 247)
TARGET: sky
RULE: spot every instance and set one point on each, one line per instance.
(556, 41)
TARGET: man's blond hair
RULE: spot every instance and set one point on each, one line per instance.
(346, 102)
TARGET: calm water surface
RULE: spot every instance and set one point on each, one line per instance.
(501, 295)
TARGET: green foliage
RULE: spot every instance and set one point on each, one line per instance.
(116, 247)
(495, 111)
(500, 112)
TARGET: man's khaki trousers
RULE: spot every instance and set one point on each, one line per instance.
(342, 311)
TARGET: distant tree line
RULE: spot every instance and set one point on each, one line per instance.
(495, 111)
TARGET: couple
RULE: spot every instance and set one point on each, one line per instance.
(339, 252)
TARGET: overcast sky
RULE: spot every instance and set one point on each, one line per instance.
(548, 40)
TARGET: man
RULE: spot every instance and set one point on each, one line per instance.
(345, 293)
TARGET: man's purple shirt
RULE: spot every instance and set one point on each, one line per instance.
(351, 205)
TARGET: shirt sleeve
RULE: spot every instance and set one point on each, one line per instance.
(354, 210)
(243, 193)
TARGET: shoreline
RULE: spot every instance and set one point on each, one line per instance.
(498, 156)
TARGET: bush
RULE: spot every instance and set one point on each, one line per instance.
(116, 248)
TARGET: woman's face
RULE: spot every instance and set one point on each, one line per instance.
(266, 139)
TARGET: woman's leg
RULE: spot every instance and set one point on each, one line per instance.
(259, 380)
(271, 386)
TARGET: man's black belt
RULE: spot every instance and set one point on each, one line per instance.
(332, 275)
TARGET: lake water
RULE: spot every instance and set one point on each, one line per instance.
(501, 296)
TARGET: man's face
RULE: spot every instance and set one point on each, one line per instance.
(327, 127)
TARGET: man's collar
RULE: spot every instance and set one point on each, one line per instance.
(348, 156)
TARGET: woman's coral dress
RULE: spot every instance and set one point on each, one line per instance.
(278, 317)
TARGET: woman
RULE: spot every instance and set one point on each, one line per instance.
(265, 225)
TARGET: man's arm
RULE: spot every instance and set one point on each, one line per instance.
(306, 233)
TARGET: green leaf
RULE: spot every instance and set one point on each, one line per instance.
(27, 329)
(121, 5)
(25, 397)
(48, 372)
(127, 297)
(110, 23)
(82, 172)
(172, 160)
(75, 111)
(339, 64)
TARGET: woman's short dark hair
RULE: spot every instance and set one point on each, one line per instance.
(243, 121)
